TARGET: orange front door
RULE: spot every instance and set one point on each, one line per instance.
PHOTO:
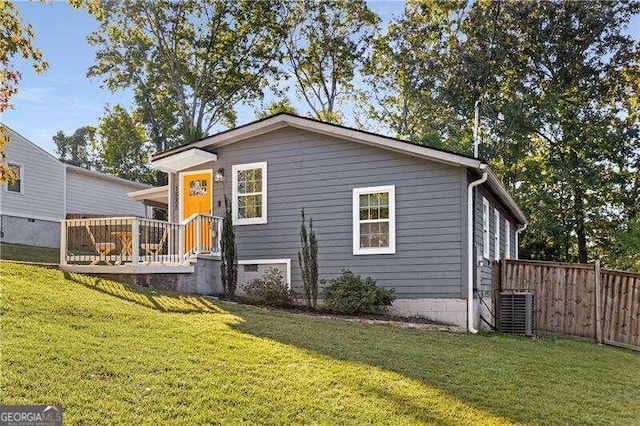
(196, 193)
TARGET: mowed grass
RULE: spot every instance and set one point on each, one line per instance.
(111, 353)
(29, 253)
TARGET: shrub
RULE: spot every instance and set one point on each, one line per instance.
(229, 258)
(308, 260)
(269, 290)
(350, 294)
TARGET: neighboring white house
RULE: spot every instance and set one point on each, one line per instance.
(47, 191)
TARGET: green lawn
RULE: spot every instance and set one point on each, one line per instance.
(111, 353)
(29, 253)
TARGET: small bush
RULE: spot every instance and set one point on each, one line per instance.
(350, 294)
(269, 290)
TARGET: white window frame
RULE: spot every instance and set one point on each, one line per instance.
(357, 250)
(507, 246)
(496, 238)
(485, 228)
(234, 193)
(21, 167)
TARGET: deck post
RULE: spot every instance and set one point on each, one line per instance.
(181, 256)
(63, 243)
(135, 242)
(198, 234)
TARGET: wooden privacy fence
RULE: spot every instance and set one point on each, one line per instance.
(580, 300)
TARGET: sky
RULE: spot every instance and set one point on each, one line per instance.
(64, 98)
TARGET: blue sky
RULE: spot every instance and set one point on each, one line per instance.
(63, 98)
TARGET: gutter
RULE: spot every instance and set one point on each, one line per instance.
(470, 257)
(518, 231)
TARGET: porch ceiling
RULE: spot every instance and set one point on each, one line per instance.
(183, 160)
(159, 194)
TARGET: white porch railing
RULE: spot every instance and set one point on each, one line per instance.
(117, 241)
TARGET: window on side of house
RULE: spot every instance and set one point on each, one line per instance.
(16, 186)
(249, 194)
(496, 214)
(374, 222)
(507, 242)
(485, 228)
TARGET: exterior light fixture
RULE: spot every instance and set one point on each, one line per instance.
(219, 177)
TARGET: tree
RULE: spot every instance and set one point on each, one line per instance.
(16, 38)
(76, 149)
(122, 146)
(275, 107)
(559, 105)
(308, 260)
(189, 63)
(324, 48)
(229, 258)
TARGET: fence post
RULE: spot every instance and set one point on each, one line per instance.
(63, 243)
(135, 242)
(598, 279)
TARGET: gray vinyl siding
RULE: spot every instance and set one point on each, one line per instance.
(484, 281)
(319, 173)
(42, 180)
(94, 195)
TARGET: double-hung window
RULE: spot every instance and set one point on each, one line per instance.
(249, 194)
(374, 222)
(17, 185)
(485, 228)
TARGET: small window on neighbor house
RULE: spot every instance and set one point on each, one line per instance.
(507, 243)
(374, 227)
(485, 228)
(497, 235)
(249, 193)
(15, 186)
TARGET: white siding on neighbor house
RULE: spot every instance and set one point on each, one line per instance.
(94, 195)
(42, 180)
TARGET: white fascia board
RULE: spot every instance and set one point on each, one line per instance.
(183, 160)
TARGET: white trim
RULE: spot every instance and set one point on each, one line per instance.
(9, 163)
(158, 194)
(486, 250)
(269, 262)
(496, 237)
(183, 160)
(129, 269)
(234, 193)
(36, 217)
(282, 120)
(507, 246)
(181, 186)
(391, 190)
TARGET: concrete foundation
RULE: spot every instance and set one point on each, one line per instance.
(30, 232)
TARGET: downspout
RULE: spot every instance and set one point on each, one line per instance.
(518, 231)
(470, 255)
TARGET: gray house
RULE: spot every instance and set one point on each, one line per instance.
(47, 191)
(422, 221)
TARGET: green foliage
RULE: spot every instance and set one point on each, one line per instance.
(350, 294)
(275, 107)
(16, 38)
(76, 149)
(308, 261)
(269, 290)
(229, 257)
(122, 146)
(189, 63)
(324, 48)
(559, 87)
